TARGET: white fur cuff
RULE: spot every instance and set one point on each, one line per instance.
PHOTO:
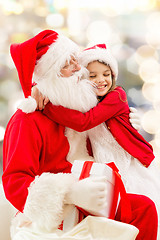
(45, 201)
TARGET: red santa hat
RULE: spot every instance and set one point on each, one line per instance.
(45, 52)
(101, 53)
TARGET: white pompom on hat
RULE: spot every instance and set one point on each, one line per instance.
(101, 53)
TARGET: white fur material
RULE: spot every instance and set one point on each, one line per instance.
(99, 54)
(27, 105)
(45, 201)
(54, 59)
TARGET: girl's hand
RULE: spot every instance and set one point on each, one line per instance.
(134, 118)
(40, 99)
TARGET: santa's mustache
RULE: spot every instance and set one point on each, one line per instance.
(83, 73)
(95, 85)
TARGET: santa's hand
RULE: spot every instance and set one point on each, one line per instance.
(89, 194)
(134, 118)
(40, 99)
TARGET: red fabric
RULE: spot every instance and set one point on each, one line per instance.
(120, 189)
(27, 53)
(114, 111)
(33, 144)
(144, 216)
(103, 46)
(86, 170)
(89, 147)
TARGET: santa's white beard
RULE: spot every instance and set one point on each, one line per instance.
(74, 93)
(70, 92)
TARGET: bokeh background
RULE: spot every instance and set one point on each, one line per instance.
(131, 28)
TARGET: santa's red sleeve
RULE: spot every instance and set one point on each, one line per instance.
(39, 196)
(21, 160)
(112, 105)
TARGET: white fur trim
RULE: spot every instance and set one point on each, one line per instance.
(28, 105)
(45, 201)
(56, 56)
(105, 55)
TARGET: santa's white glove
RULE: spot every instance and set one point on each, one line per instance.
(89, 194)
(135, 118)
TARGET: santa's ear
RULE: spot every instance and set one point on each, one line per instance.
(28, 105)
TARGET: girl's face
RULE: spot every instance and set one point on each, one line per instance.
(101, 75)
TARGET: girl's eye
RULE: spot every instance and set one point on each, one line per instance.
(92, 76)
(106, 75)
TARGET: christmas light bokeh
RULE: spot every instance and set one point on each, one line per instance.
(131, 28)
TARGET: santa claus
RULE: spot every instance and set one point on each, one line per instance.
(38, 154)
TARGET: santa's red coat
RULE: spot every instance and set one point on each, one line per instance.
(33, 144)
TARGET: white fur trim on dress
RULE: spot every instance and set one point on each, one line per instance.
(104, 55)
(45, 202)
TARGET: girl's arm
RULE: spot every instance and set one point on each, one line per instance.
(114, 104)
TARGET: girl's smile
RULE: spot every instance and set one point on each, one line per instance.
(101, 77)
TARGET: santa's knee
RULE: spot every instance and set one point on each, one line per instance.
(143, 203)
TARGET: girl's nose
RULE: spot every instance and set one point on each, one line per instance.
(100, 80)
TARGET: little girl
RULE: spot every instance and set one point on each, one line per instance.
(120, 142)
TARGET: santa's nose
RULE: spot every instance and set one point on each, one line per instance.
(77, 67)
